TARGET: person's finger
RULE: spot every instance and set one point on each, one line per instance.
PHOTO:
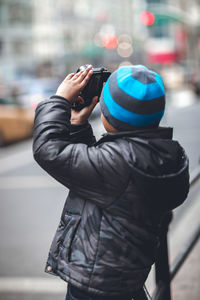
(69, 76)
(87, 110)
(93, 104)
(78, 74)
(84, 74)
(94, 100)
(81, 76)
(86, 79)
(80, 100)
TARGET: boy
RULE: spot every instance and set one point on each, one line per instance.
(119, 187)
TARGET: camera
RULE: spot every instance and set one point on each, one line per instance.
(93, 87)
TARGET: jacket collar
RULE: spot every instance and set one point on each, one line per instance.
(160, 132)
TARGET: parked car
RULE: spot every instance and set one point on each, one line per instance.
(16, 122)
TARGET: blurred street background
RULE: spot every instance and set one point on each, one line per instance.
(40, 43)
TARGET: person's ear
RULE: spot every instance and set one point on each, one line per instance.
(108, 127)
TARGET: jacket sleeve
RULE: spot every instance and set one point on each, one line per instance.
(70, 160)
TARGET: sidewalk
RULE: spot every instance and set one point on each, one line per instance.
(186, 285)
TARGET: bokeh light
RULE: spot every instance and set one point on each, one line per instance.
(125, 63)
(147, 18)
(125, 38)
(125, 49)
(110, 41)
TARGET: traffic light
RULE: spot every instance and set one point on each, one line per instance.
(147, 18)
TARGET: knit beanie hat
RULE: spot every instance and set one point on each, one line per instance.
(132, 97)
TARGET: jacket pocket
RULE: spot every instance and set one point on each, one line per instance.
(69, 233)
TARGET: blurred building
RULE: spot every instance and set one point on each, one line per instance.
(16, 18)
(51, 37)
(42, 37)
(72, 33)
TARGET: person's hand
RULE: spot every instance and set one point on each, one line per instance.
(73, 84)
(81, 117)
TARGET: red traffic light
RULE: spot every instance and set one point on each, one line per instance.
(147, 18)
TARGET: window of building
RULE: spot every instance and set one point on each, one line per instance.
(20, 13)
(21, 47)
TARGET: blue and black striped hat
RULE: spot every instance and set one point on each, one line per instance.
(133, 97)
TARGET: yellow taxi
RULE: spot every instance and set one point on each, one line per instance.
(16, 122)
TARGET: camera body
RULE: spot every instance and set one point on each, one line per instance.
(93, 87)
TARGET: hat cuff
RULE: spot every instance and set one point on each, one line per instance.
(119, 125)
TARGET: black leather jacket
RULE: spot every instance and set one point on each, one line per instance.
(119, 189)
